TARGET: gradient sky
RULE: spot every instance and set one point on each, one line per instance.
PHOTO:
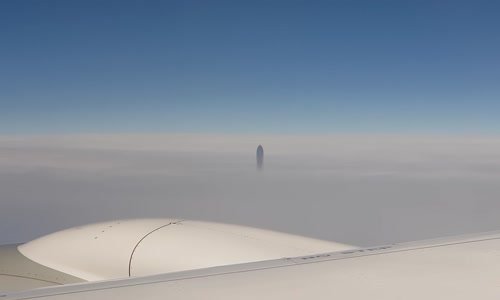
(249, 66)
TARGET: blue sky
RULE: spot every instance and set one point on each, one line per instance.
(307, 67)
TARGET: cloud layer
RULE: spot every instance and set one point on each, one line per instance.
(356, 189)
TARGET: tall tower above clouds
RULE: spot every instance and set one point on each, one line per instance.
(260, 157)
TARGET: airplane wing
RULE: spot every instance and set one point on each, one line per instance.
(466, 267)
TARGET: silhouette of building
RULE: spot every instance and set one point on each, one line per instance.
(260, 157)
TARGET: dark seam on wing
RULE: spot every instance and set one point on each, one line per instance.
(145, 236)
(28, 277)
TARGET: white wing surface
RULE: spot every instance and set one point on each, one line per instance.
(456, 268)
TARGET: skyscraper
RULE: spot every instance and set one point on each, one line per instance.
(260, 157)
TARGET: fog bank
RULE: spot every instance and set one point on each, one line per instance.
(362, 190)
